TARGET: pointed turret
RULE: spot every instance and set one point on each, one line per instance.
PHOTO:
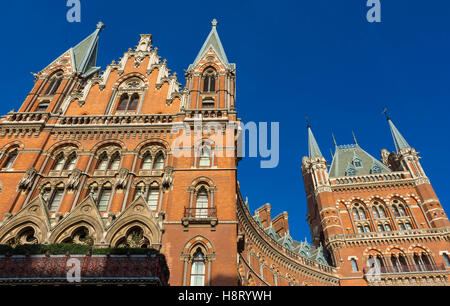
(84, 54)
(399, 140)
(313, 148)
(212, 42)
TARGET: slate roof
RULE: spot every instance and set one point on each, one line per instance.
(346, 158)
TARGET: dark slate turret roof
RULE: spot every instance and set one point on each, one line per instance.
(351, 160)
(313, 147)
(399, 140)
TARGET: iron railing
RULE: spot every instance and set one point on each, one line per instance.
(200, 213)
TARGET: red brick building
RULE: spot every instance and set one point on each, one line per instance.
(117, 156)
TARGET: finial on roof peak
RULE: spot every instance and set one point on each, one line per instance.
(100, 25)
(385, 112)
(354, 138)
(334, 140)
(308, 125)
(214, 23)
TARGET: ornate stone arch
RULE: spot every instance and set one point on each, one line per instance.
(109, 142)
(85, 214)
(34, 215)
(201, 242)
(136, 215)
(60, 144)
(131, 75)
(16, 143)
(152, 141)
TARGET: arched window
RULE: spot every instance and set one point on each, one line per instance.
(395, 210)
(209, 82)
(367, 229)
(115, 162)
(128, 103)
(401, 210)
(362, 214)
(401, 226)
(205, 156)
(201, 207)
(159, 162)
(355, 214)
(54, 84)
(56, 200)
(71, 162)
(153, 197)
(198, 271)
(123, 102)
(147, 162)
(360, 229)
(380, 228)
(10, 159)
(408, 225)
(42, 106)
(59, 162)
(387, 227)
(376, 214)
(102, 161)
(105, 195)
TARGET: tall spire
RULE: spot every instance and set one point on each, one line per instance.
(313, 148)
(399, 140)
(212, 41)
(85, 53)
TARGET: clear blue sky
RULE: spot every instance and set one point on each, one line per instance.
(320, 58)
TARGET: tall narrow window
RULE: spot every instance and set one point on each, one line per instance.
(132, 106)
(354, 265)
(56, 200)
(387, 227)
(401, 210)
(10, 160)
(123, 102)
(159, 162)
(153, 197)
(202, 204)
(362, 214)
(446, 259)
(205, 157)
(115, 162)
(71, 161)
(46, 192)
(59, 162)
(209, 83)
(355, 214)
(408, 226)
(102, 162)
(147, 162)
(198, 269)
(55, 82)
(104, 199)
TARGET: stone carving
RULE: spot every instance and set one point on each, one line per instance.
(167, 180)
(27, 180)
(74, 179)
(121, 180)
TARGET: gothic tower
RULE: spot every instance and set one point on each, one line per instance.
(377, 217)
(127, 158)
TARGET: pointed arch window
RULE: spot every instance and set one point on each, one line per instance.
(198, 271)
(153, 197)
(102, 161)
(10, 159)
(56, 199)
(159, 162)
(59, 162)
(209, 80)
(54, 83)
(202, 204)
(71, 162)
(115, 161)
(103, 200)
(147, 162)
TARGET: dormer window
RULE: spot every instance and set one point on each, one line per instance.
(42, 106)
(376, 169)
(357, 162)
(350, 170)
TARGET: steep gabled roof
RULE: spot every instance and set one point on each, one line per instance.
(213, 41)
(345, 158)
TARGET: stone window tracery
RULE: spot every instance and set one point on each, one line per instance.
(11, 157)
(54, 83)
